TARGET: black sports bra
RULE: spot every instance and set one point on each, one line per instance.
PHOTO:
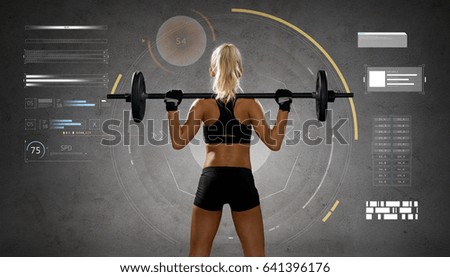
(227, 129)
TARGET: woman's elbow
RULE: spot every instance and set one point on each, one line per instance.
(178, 145)
(274, 146)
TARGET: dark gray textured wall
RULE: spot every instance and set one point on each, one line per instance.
(135, 201)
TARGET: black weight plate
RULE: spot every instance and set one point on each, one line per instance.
(321, 95)
(138, 99)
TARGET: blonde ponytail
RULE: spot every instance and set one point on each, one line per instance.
(226, 68)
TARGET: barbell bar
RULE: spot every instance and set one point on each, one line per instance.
(139, 96)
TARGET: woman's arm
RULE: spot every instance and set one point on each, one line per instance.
(182, 135)
(273, 138)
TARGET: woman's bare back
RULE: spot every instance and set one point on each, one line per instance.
(236, 154)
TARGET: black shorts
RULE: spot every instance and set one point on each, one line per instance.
(221, 185)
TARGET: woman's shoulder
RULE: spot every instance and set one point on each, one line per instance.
(203, 103)
(212, 102)
(247, 102)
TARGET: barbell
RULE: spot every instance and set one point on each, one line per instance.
(139, 96)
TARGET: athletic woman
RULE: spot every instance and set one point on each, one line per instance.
(227, 176)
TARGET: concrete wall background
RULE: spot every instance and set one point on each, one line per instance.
(109, 207)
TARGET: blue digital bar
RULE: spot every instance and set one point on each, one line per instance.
(61, 120)
(65, 124)
(79, 105)
(76, 101)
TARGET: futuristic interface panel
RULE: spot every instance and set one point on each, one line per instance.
(80, 177)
